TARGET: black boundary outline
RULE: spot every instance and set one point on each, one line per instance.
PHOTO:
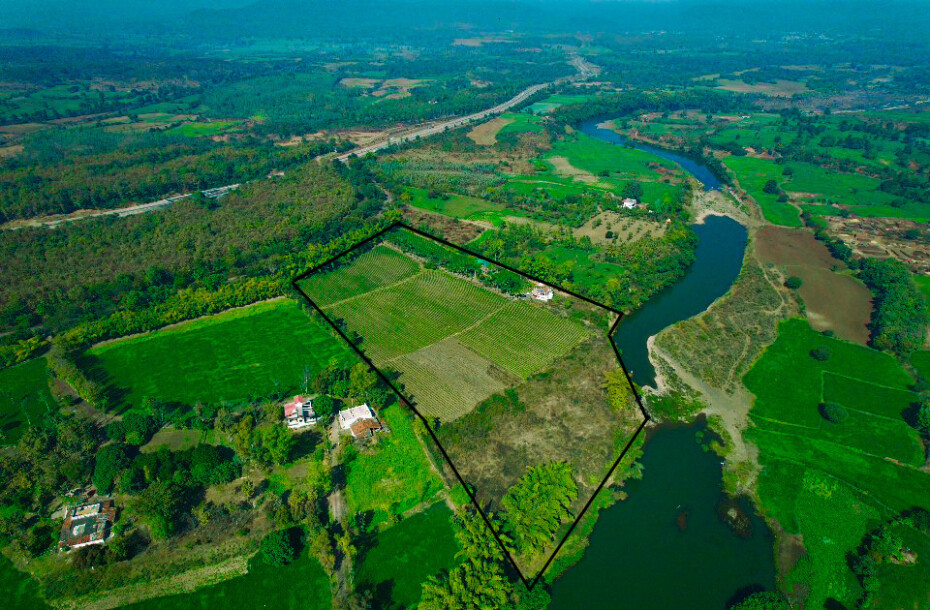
(646, 418)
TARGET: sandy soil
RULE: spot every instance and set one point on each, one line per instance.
(563, 167)
(486, 133)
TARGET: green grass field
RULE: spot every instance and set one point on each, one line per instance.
(24, 398)
(522, 123)
(554, 101)
(421, 311)
(831, 482)
(596, 156)
(462, 206)
(404, 556)
(249, 352)
(212, 128)
(752, 174)
(921, 362)
(394, 474)
(300, 584)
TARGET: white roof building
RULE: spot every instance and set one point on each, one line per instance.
(542, 293)
(630, 204)
(348, 417)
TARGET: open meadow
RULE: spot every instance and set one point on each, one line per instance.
(831, 480)
(403, 556)
(255, 351)
(24, 398)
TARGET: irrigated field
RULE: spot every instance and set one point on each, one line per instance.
(249, 352)
(376, 268)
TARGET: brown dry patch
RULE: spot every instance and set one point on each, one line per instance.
(486, 133)
(10, 151)
(451, 229)
(780, 88)
(834, 301)
(625, 228)
(21, 129)
(359, 83)
(564, 168)
(175, 440)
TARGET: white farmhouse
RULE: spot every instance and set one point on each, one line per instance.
(360, 420)
(542, 293)
(630, 204)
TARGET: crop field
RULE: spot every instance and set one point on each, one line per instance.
(520, 122)
(376, 268)
(554, 101)
(596, 156)
(24, 398)
(392, 475)
(423, 310)
(862, 468)
(405, 555)
(523, 339)
(446, 379)
(249, 352)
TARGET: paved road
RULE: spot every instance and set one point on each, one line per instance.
(430, 130)
(141, 208)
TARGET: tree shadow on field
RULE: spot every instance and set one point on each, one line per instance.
(94, 370)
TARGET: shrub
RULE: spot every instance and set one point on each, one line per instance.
(771, 187)
(833, 412)
(793, 282)
(821, 353)
(277, 549)
(110, 460)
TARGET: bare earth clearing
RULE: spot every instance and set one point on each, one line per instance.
(834, 300)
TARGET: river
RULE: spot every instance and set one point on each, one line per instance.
(668, 545)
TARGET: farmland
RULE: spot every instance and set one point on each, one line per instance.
(264, 349)
(826, 480)
(24, 398)
(430, 326)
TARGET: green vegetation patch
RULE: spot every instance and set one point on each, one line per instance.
(828, 481)
(19, 589)
(460, 206)
(300, 584)
(921, 362)
(404, 556)
(752, 174)
(522, 123)
(393, 475)
(253, 351)
(597, 156)
(24, 398)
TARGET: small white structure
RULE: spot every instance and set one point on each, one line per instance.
(360, 420)
(542, 293)
(299, 412)
(630, 204)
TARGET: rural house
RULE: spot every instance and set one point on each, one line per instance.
(630, 204)
(299, 412)
(542, 293)
(86, 525)
(361, 421)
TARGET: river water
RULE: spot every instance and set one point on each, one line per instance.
(668, 545)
